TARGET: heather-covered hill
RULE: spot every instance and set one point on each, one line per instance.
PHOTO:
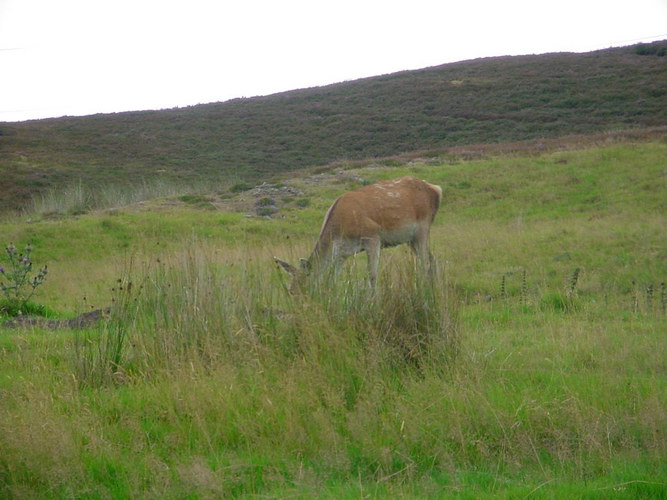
(472, 102)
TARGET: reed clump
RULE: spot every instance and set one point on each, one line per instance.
(192, 310)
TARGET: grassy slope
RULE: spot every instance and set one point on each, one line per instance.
(225, 386)
(472, 102)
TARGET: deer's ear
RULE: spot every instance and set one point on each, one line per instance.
(305, 265)
(287, 267)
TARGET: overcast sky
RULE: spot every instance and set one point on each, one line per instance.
(78, 57)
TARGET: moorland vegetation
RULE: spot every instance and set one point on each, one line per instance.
(484, 101)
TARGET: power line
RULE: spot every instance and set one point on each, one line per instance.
(654, 38)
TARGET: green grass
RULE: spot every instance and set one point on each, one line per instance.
(209, 380)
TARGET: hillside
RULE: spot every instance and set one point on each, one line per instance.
(533, 368)
(472, 102)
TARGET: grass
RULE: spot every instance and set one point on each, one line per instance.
(210, 380)
(79, 198)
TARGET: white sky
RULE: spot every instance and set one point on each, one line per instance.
(79, 57)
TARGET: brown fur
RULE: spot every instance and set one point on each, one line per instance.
(384, 214)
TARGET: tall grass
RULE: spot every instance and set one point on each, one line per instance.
(196, 309)
(274, 392)
(79, 198)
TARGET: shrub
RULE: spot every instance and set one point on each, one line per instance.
(265, 202)
(654, 49)
(240, 187)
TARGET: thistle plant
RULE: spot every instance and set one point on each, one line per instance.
(15, 282)
(574, 279)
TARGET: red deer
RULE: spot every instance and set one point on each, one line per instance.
(384, 214)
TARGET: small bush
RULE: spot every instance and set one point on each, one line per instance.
(16, 284)
(240, 187)
(265, 202)
(193, 198)
(646, 49)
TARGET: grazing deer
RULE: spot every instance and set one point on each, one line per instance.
(384, 214)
